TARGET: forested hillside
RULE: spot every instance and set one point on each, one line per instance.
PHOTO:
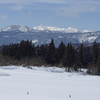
(27, 54)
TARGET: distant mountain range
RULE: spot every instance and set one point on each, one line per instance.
(43, 34)
(42, 28)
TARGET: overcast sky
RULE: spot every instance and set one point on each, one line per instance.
(80, 14)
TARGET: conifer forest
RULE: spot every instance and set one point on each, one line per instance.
(73, 59)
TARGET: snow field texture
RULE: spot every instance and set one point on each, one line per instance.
(42, 83)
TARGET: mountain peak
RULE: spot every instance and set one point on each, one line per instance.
(40, 28)
(16, 28)
(71, 30)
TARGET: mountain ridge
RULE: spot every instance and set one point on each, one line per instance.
(42, 28)
(65, 30)
(43, 34)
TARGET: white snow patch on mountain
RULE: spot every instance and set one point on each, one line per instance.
(92, 39)
(24, 29)
(6, 29)
(34, 41)
(40, 28)
(86, 31)
(60, 36)
(71, 30)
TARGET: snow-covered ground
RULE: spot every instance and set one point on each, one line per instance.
(47, 84)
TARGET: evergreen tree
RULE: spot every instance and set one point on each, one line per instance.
(51, 53)
(60, 51)
(93, 67)
(43, 49)
(80, 57)
(68, 57)
(26, 48)
(98, 63)
(95, 49)
(4, 50)
(88, 55)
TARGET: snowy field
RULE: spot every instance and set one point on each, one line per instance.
(47, 84)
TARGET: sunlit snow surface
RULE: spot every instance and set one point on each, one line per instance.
(47, 84)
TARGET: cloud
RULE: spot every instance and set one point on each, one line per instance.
(17, 7)
(62, 7)
(68, 13)
(76, 10)
(31, 1)
(49, 1)
(3, 16)
(77, 7)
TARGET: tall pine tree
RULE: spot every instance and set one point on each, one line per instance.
(60, 51)
(51, 53)
(68, 57)
(95, 49)
(80, 57)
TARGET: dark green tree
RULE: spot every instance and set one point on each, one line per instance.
(26, 48)
(88, 55)
(95, 49)
(80, 57)
(93, 67)
(98, 63)
(60, 51)
(43, 49)
(68, 57)
(51, 53)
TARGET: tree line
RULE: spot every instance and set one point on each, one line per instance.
(63, 56)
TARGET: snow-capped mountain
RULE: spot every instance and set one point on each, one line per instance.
(43, 34)
(42, 28)
(16, 28)
(56, 29)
